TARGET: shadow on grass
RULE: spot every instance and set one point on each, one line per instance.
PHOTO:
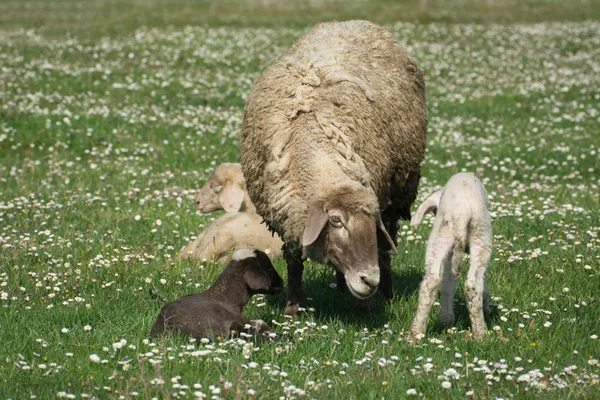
(462, 319)
(331, 304)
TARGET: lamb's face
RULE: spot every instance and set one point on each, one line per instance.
(223, 190)
(258, 271)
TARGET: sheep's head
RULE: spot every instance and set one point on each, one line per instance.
(223, 190)
(344, 228)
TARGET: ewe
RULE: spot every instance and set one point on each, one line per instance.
(332, 141)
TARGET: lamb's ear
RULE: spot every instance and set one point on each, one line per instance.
(255, 276)
(315, 222)
(429, 205)
(384, 240)
(231, 197)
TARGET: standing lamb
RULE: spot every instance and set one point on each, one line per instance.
(218, 311)
(333, 137)
(240, 228)
(462, 224)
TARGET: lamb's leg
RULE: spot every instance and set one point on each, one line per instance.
(486, 298)
(257, 328)
(475, 288)
(295, 267)
(437, 252)
(450, 274)
(447, 291)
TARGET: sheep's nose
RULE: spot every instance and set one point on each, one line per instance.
(370, 281)
(198, 201)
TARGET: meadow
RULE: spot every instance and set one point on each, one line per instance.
(112, 115)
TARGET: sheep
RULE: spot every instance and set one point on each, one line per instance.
(225, 189)
(462, 224)
(218, 311)
(231, 232)
(333, 136)
(241, 228)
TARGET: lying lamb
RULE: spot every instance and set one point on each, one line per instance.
(241, 228)
(217, 312)
(462, 225)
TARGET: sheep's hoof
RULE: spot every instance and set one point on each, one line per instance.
(293, 310)
(446, 320)
(365, 306)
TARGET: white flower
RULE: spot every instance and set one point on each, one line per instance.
(64, 330)
(94, 358)
(158, 222)
(87, 328)
(137, 217)
(446, 385)
(411, 392)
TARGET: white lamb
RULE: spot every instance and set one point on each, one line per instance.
(462, 224)
(240, 228)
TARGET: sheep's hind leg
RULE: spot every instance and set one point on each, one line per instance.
(475, 288)
(295, 267)
(437, 252)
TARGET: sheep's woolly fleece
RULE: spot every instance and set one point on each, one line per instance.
(344, 106)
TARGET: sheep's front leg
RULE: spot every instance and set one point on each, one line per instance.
(340, 281)
(436, 255)
(295, 267)
(475, 288)
(386, 284)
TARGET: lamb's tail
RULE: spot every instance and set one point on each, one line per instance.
(460, 246)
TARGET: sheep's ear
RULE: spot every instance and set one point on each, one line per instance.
(231, 197)
(256, 278)
(384, 240)
(315, 222)
(429, 205)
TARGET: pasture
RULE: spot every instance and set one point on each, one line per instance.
(109, 127)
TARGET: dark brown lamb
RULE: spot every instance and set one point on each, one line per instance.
(217, 312)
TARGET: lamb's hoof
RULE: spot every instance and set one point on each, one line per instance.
(365, 306)
(415, 337)
(293, 310)
(479, 333)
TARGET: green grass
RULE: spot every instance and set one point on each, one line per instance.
(103, 120)
(111, 17)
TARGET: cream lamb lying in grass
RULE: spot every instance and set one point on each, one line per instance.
(240, 228)
(462, 224)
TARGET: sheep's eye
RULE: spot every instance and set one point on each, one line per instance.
(336, 221)
(215, 187)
